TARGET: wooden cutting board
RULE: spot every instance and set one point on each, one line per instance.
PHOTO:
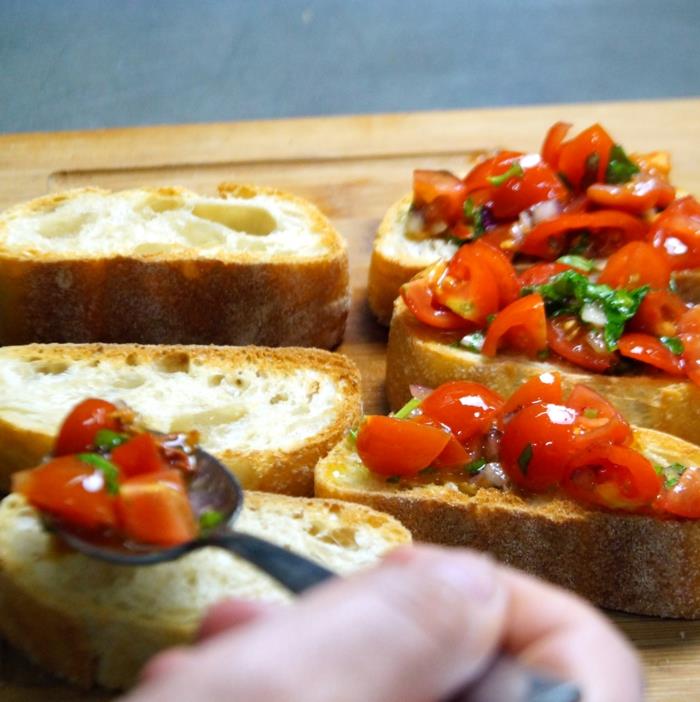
(353, 168)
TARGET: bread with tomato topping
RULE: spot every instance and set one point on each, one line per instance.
(631, 562)
(94, 623)
(268, 414)
(420, 355)
(165, 265)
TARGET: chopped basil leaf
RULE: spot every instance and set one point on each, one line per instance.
(109, 471)
(543, 354)
(673, 285)
(620, 169)
(476, 466)
(524, 458)
(590, 170)
(106, 439)
(590, 413)
(671, 473)
(580, 244)
(393, 479)
(673, 344)
(474, 216)
(210, 519)
(489, 319)
(515, 171)
(473, 342)
(352, 435)
(407, 408)
(580, 262)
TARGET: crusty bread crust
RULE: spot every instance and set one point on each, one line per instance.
(633, 563)
(161, 298)
(66, 626)
(421, 355)
(288, 470)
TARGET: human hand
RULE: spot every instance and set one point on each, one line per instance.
(421, 626)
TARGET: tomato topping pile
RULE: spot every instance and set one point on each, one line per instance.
(106, 475)
(538, 440)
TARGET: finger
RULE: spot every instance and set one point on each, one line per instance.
(165, 664)
(230, 614)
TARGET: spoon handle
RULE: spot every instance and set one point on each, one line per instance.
(294, 572)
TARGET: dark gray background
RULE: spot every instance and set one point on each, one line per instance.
(71, 64)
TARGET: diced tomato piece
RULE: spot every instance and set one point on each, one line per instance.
(443, 192)
(658, 314)
(522, 326)
(570, 339)
(502, 238)
(548, 239)
(689, 332)
(454, 454)
(545, 387)
(637, 264)
(391, 446)
(541, 273)
(577, 153)
(597, 421)
(537, 444)
(616, 477)
(69, 490)
(140, 454)
(478, 177)
(677, 231)
(689, 321)
(420, 299)
(78, 430)
(502, 270)
(683, 499)
(551, 148)
(639, 195)
(648, 349)
(154, 508)
(467, 409)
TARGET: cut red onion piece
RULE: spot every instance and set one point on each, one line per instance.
(542, 211)
(492, 475)
(492, 444)
(420, 392)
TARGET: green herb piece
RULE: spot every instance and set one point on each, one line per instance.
(489, 319)
(620, 169)
(671, 473)
(515, 171)
(475, 216)
(393, 479)
(352, 435)
(109, 471)
(476, 466)
(106, 439)
(673, 344)
(590, 170)
(564, 179)
(524, 458)
(427, 471)
(581, 244)
(580, 262)
(412, 404)
(210, 519)
(590, 413)
(568, 292)
(473, 342)
(543, 354)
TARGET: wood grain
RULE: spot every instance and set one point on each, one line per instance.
(353, 168)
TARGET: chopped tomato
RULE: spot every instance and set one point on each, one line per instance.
(140, 454)
(70, 490)
(498, 165)
(502, 270)
(553, 142)
(420, 299)
(648, 349)
(653, 162)
(154, 508)
(691, 355)
(548, 239)
(636, 264)
(78, 430)
(545, 387)
(617, 477)
(522, 326)
(642, 193)
(677, 231)
(689, 321)
(590, 149)
(452, 456)
(683, 499)
(443, 192)
(391, 446)
(537, 444)
(467, 409)
(570, 339)
(658, 314)
(468, 287)
(541, 273)
(597, 421)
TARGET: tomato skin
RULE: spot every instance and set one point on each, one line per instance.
(574, 153)
(501, 269)
(420, 299)
(658, 314)
(551, 148)
(568, 338)
(78, 430)
(648, 349)
(617, 477)
(69, 490)
(390, 446)
(478, 178)
(545, 387)
(608, 426)
(467, 409)
(153, 508)
(639, 195)
(440, 194)
(691, 356)
(541, 273)
(140, 454)
(635, 264)
(522, 325)
(682, 500)
(677, 231)
(547, 429)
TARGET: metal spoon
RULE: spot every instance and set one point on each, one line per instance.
(213, 487)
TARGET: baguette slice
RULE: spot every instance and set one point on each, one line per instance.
(417, 354)
(164, 265)
(397, 257)
(268, 414)
(97, 623)
(638, 564)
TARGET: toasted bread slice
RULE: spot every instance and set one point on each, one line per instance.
(254, 266)
(634, 563)
(418, 354)
(97, 623)
(268, 414)
(398, 256)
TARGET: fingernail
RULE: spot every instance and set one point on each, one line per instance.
(542, 690)
(475, 576)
